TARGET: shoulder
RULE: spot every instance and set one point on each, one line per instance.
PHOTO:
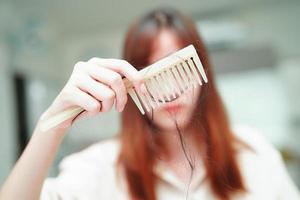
(259, 154)
(262, 164)
(255, 139)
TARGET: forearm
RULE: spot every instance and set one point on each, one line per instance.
(27, 177)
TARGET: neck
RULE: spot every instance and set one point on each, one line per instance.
(180, 152)
(177, 145)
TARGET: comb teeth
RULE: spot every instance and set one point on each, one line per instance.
(174, 83)
(163, 85)
(189, 74)
(153, 93)
(169, 84)
(178, 79)
(195, 74)
(168, 78)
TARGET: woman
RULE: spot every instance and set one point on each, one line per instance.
(183, 149)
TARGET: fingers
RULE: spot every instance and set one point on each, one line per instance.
(99, 91)
(84, 100)
(95, 86)
(111, 79)
(102, 79)
(122, 67)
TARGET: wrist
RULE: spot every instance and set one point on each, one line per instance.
(57, 132)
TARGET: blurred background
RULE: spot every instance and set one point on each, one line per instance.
(253, 44)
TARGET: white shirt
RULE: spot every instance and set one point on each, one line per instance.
(91, 174)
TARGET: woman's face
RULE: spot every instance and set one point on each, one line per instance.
(180, 110)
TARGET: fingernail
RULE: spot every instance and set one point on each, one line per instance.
(121, 108)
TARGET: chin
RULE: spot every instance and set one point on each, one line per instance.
(173, 115)
(168, 122)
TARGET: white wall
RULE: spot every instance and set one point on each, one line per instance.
(7, 129)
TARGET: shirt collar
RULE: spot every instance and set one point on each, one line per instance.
(166, 175)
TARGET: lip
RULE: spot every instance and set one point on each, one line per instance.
(173, 108)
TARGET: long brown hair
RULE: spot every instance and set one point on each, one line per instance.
(209, 122)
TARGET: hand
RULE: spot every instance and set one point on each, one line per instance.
(95, 86)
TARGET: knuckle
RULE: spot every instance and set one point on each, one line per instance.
(75, 78)
(78, 80)
(116, 80)
(124, 61)
(79, 65)
(109, 96)
(94, 60)
(126, 64)
(94, 107)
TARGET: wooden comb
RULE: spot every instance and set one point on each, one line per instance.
(165, 80)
